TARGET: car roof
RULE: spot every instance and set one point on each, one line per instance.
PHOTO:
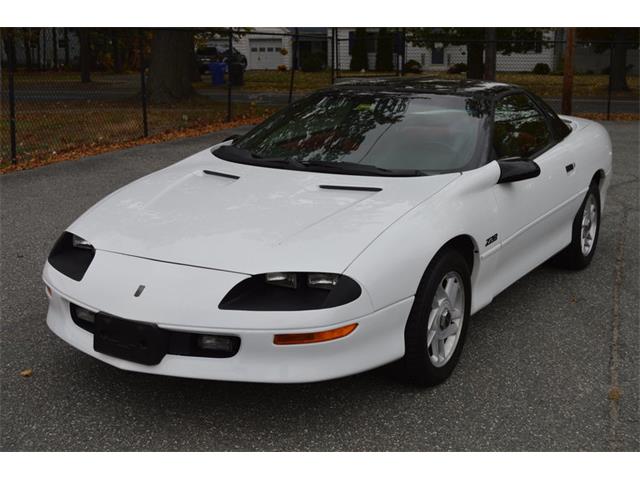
(419, 85)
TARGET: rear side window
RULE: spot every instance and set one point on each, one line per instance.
(520, 129)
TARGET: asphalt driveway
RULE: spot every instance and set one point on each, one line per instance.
(551, 364)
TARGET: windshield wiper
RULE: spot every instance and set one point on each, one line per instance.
(242, 155)
(354, 168)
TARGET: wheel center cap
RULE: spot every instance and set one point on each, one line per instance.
(445, 318)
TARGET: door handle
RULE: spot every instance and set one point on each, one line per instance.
(569, 168)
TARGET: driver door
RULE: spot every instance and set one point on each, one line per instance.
(532, 226)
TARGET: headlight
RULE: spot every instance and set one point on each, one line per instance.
(286, 291)
(282, 279)
(72, 255)
(322, 280)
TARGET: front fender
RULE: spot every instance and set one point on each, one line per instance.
(392, 266)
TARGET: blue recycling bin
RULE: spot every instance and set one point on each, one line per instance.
(217, 70)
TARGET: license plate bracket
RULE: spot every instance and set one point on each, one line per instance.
(134, 341)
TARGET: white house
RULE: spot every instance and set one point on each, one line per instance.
(46, 45)
(266, 48)
(441, 58)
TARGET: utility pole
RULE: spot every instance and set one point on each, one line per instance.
(567, 82)
(294, 61)
(12, 96)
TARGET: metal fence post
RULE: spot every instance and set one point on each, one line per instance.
(229, 57)
(404, 50)
(143, 88)
(12, 99)
(333, 58)
(294, 59)
(336, 46)
(610, 87)
(396, 47)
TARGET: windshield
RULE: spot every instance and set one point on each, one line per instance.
(419, 134)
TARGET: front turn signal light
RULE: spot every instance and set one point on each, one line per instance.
(313, 337)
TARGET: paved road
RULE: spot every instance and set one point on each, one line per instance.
(535, 374)
(590, 105)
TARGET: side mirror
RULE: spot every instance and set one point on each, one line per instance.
(516, 169)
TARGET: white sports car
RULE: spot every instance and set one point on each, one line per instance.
(362, 225)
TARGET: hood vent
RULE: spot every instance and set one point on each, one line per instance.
(352, 188)
(220, 174)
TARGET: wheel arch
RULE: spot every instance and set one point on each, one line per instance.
(467, 247)
(598, 180)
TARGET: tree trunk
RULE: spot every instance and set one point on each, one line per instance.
(67, 60)
(116, 51)
(55, 47)
(42, 38)
(475, 64)
(618, 67)
(8, 40)
(26, 42)
(171, 68)
(85, 55)
(38, 57)
(195, 68)
(490, 54)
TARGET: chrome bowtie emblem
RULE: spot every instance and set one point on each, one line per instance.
(139, 291)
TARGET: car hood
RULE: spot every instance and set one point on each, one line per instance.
(266, 219)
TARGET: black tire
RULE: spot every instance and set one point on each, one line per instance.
(417, 366)
(573, 257)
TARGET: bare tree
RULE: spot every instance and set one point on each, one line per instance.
(85, 55)
(621, 40)
(171, 68)
(490, 54)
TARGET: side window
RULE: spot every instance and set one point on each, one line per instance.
(520, 128)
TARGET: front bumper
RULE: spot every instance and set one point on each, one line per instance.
(378, 339)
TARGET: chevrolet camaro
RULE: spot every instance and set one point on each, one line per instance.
(360, 226)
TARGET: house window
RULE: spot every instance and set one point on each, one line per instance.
(254, 49)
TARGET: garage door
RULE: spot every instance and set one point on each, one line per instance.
(265, 54)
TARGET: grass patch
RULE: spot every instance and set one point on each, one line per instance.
(51, 128)
(82, 151)
(542, 85)
(275, 81)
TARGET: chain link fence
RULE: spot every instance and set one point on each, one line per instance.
(68, 89)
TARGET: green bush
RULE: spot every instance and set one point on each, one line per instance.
(313, 62)
(412, 66)
(458, 68)
(541, 69)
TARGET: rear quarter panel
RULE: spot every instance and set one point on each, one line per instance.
(591, 144)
